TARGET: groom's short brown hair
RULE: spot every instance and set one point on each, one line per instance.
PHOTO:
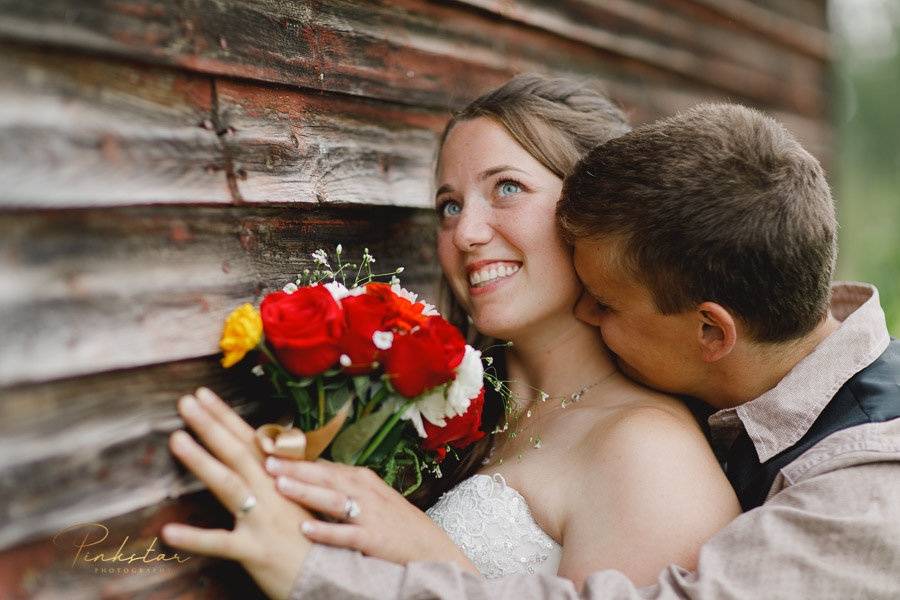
(718, 203)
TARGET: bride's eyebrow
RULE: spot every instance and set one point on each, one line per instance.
(443, 190)
(494, 170)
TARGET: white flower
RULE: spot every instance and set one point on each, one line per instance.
(468, 383)
(258, 370)
(289, 288)
(319, 257)
(404, 293)
(432, 406)
(383, 340)
(337, 289)
(345, 360)
(339, 249)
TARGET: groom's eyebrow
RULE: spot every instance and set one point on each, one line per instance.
(598, 297)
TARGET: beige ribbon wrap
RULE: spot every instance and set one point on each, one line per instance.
(292, 443)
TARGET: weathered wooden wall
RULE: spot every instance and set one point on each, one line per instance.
(162, 161)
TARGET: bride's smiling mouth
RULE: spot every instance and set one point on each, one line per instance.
(485, 276)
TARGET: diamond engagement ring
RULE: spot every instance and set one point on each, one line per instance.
(248, 503)
(351, 509)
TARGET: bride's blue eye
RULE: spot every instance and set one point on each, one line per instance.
(509, 187)
(450, 208)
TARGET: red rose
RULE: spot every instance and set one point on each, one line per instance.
(303, 329)
(424, 358)
(459, 432)
(404, 315)
(364, 314)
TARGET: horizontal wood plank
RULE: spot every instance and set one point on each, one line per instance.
(91, 290)
(404, 51)
(92, 448)
(76, 131)
(719, 57)
(289, 146)
(79, 131)
(47, 569)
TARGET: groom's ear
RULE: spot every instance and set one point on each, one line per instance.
(717, 331)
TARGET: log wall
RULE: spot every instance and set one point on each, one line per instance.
(162, 161)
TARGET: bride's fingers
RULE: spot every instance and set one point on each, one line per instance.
(226, 415)
(209, 542)
(320, 499)
(221, 442)
(335, 534)
(227, 486)
(320, 473)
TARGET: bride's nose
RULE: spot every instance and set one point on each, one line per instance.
(473, 228)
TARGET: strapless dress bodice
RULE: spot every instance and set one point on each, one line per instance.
(492, 524)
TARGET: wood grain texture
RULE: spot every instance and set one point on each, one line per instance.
(47, 569)
(91, 290)
(91, 448)
(289, 146)
(698, 49)
(74, 130)
(418, 53)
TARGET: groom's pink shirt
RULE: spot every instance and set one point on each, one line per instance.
(830, 527)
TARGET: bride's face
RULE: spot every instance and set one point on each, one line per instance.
(498, 242)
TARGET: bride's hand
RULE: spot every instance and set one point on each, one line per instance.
(266, 538)
(387, 526)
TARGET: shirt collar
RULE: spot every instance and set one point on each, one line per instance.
(778, 419)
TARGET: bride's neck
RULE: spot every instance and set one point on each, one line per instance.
(558, 358)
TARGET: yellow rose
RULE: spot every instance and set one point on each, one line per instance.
(242, 333)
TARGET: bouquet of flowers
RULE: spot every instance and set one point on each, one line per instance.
(377, 377)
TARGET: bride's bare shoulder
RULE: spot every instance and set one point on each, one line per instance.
(643, 419)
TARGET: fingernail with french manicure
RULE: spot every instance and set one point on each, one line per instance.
(273, 464)
(307, 527)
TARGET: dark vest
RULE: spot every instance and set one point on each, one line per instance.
(870, 396)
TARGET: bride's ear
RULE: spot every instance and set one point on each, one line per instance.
(717, 331)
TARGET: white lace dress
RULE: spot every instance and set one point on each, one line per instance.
(492, 524)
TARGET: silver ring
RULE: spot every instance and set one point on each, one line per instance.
(248, 503)
(351, 509)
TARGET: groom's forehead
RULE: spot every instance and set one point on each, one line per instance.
(599, 260)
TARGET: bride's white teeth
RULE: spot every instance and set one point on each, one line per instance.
(490, 274)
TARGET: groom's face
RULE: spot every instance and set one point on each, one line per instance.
(650, 347)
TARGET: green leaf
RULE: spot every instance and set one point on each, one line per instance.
(337, 399)
(351, 441)
(388, 444)
(361, 386)
(302, 382)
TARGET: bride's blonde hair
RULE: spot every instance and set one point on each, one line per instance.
(557, 121)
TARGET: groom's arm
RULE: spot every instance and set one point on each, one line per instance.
(835, 535)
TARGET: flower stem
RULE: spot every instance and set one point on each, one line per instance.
(320, 387)
(382, 433)
(265, 350)
(376, 398)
